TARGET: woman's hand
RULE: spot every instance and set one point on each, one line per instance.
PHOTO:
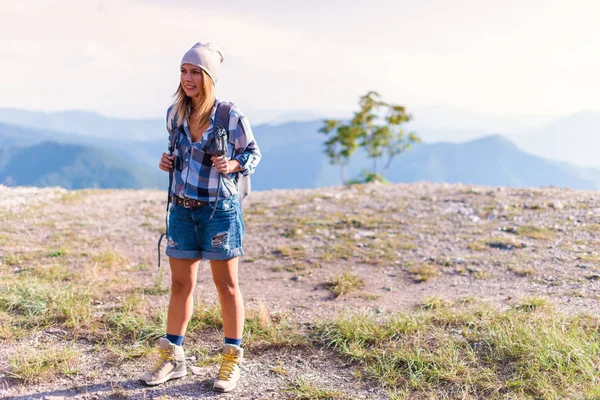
(166, 162)
(224, 166)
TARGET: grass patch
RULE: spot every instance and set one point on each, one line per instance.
(344, 283)
(78, 195)
(339, 250)
(296, 267)
(129, 352)
(50, 273)
(592, 228)
(293, 233)
(34, 304)
(304, 389)
(158, 289)
(272, 330)
(141, 267)
(4, 240)
(531, 304)
(133, 328)
(204, 358)
(290, 252)
(32, 366)
(495, 243)
(109, 259)
(57, 253)
(422, 273)
(432, 303)
(206, 316)
(279, 369)
(368, 296)
(12, 260)
(262, 329)
(537, 233)
(521, 271)
(528, 351)
(592, 258)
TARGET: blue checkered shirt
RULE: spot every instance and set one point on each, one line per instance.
(194, 176)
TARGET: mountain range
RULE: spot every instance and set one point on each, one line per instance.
(82, 149)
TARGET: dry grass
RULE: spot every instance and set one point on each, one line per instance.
(345, 283)
(422, 273)
(36, 365)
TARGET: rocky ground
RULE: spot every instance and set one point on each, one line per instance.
(406, 243)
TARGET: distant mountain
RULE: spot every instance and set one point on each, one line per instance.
(86, 124)
(461, 124)
(73, 167)
(19, 136)
(144, 152)
(492, 160)
(574, 139)
(293, 158)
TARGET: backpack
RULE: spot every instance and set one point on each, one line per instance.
(222, 125)
(218, 147)
(243, 184)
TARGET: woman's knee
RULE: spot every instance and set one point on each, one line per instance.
(227, 288)
(182, 287)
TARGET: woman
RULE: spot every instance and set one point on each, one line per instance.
(205, 219)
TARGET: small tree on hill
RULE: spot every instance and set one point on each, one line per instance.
(376, 127)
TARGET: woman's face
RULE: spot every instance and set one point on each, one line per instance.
(191, 80)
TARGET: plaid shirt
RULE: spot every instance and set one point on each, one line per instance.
(194, 176)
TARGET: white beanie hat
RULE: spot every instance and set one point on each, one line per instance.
(206, 56)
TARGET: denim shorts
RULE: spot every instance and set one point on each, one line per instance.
(192, 234)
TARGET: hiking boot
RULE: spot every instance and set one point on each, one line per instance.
(170, 364)
(229, 373)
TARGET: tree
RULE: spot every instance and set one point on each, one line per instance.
(342, 145)
(376, 127)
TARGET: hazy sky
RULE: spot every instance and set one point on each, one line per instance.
(121, 57)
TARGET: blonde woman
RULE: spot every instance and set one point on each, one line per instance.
(205, 218)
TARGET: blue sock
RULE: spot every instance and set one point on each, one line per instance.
(175, 339)
(237, 342)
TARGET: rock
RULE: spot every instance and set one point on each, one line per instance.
(512, 229)
(557, 205)
(198, 370)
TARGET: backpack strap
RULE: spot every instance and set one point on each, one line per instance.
(173, 136)
(222, 115)
(242, 183)
(221, 124)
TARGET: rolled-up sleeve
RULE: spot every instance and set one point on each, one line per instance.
(246, 148)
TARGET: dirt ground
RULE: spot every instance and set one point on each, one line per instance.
(406, 242)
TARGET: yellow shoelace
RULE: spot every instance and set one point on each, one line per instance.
(229, 361)
(163, 355)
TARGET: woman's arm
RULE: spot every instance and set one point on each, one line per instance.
(247, 152)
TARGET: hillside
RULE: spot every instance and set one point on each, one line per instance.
(73, 167)
(573, 139)
(494, 278)
(86, 123)
(492, 160)
(293, 155)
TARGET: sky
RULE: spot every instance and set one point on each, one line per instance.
(121, 57)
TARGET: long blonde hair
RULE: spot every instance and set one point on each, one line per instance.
(198, 115)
